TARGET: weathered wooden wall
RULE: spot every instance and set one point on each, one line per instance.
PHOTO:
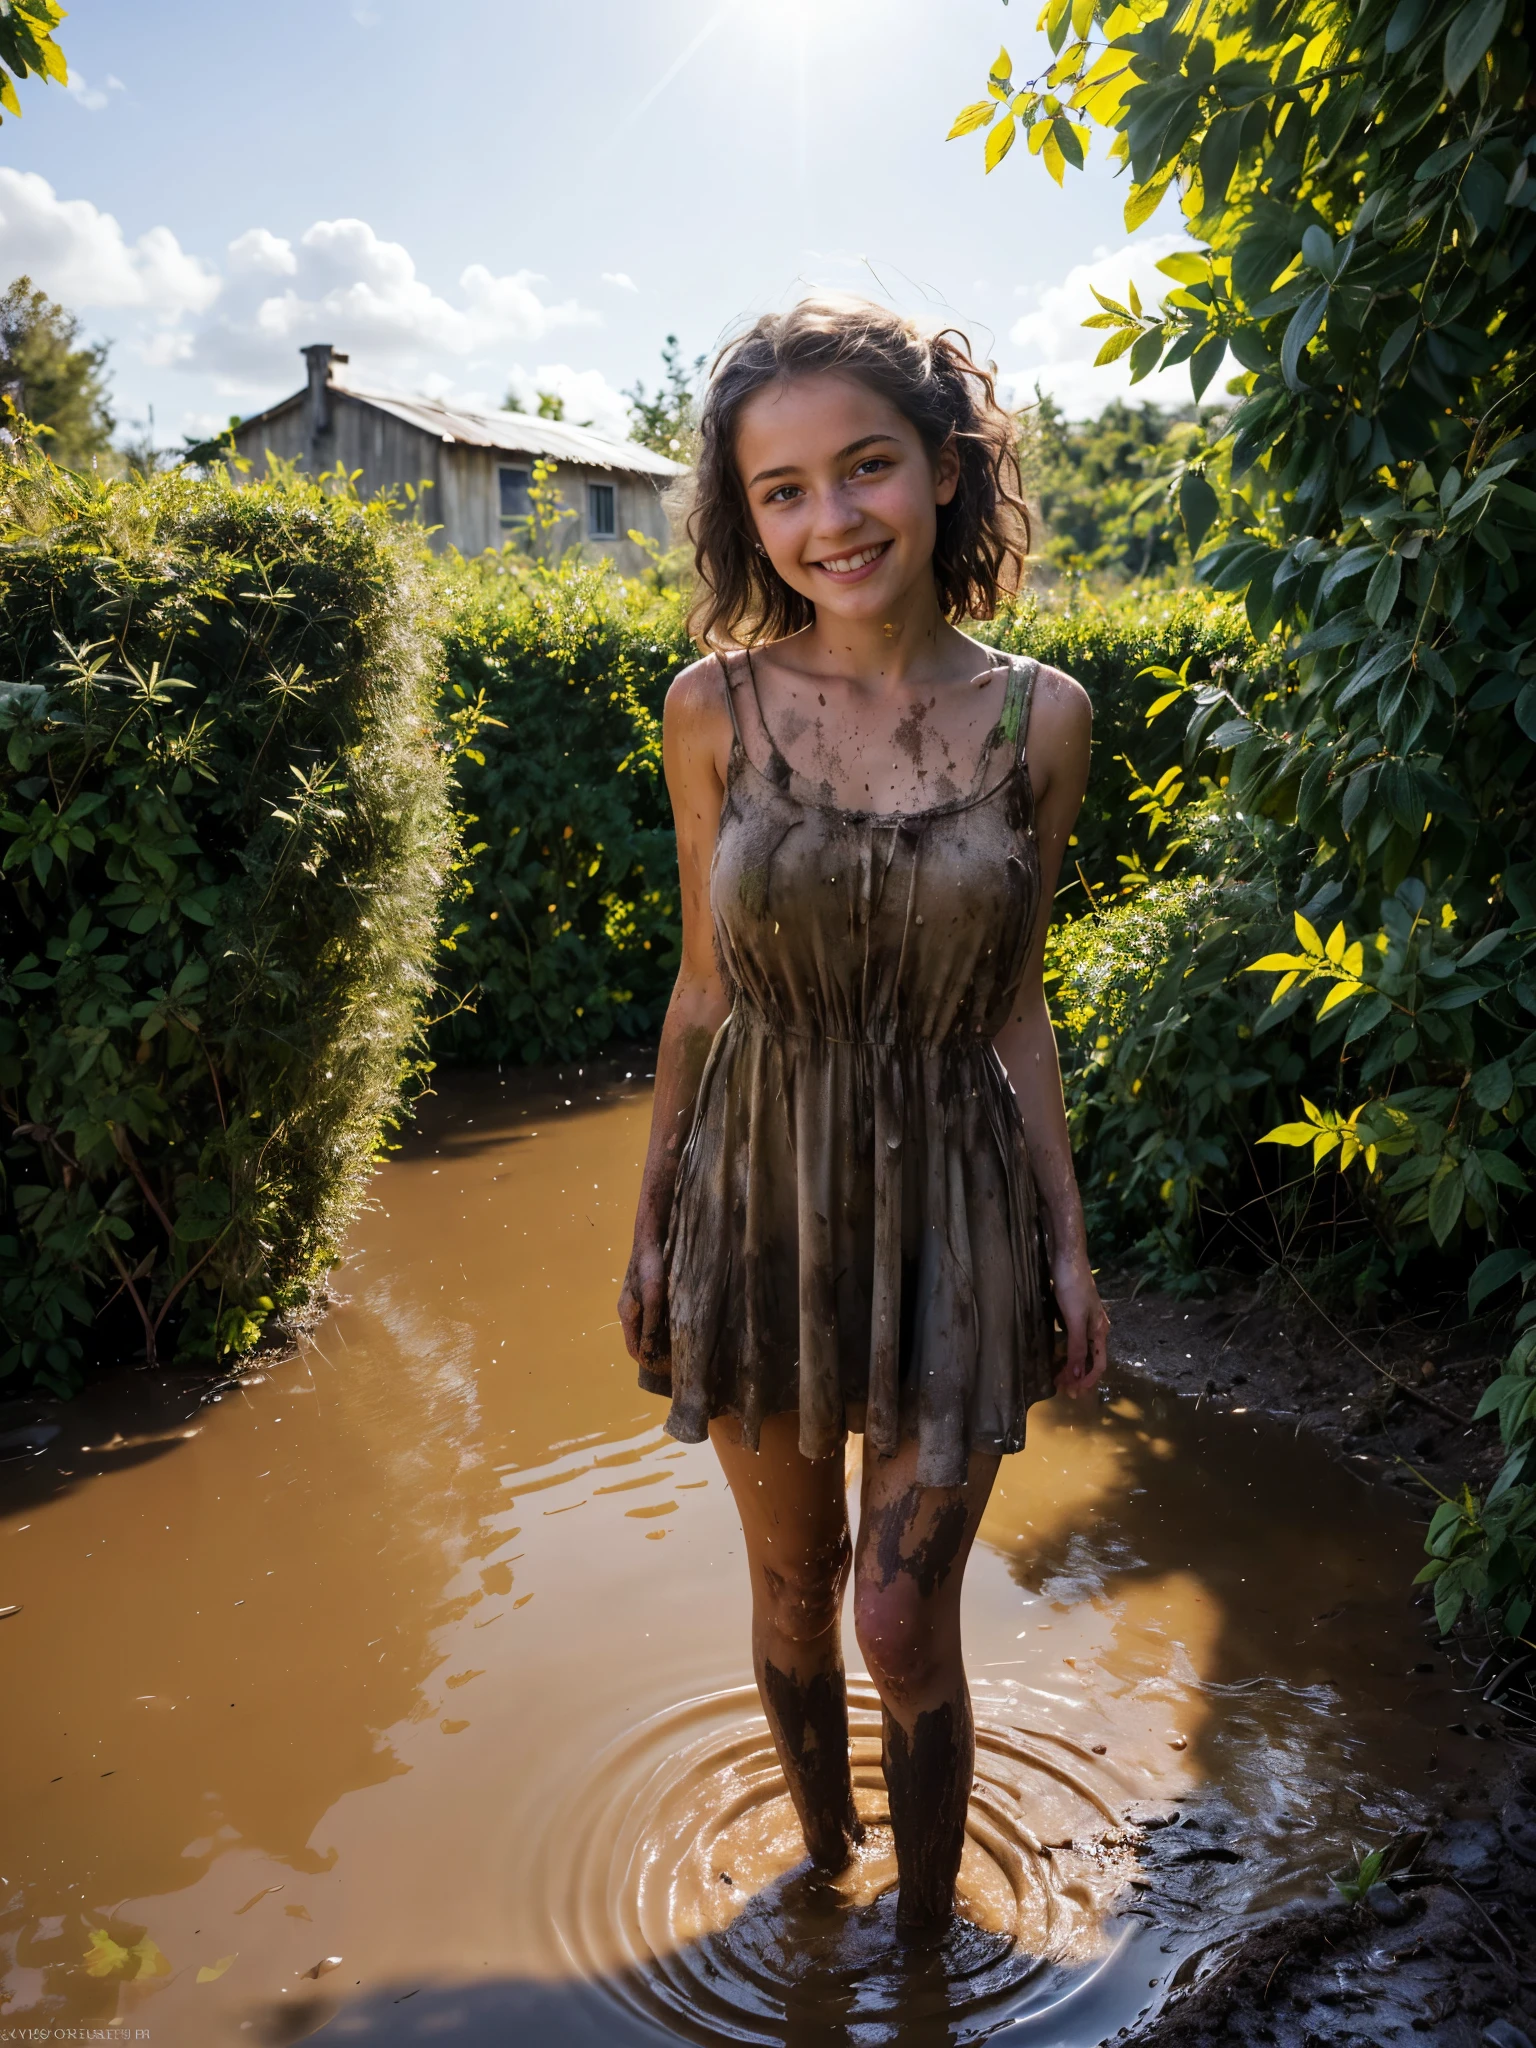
(462, 495)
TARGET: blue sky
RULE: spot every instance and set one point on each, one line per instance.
(476, 195)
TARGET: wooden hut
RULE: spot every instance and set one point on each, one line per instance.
(478, 465)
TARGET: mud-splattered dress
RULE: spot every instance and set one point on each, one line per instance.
(855, 1218)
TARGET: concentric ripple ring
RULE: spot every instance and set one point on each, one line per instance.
(677, 1881)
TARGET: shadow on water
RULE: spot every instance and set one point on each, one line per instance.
(427, 1650)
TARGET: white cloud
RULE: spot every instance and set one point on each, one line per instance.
(93, 98)
(80, 255)
(621, 279)
(259, 249)
(587, 393)
(351, 287)
(1053, 349)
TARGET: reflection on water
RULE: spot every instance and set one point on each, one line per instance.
(428, 1652)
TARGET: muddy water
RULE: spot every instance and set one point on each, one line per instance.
(427, 1653)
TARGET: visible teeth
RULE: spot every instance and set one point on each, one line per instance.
(844, 563)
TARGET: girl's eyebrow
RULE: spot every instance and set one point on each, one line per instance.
(789, 468)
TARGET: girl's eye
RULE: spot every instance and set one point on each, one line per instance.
(782, 495)
(871, 464)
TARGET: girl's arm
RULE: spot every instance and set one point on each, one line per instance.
(1059, 735)
(696, 740)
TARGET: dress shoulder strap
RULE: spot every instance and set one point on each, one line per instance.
(730, 696)
(1018, 701)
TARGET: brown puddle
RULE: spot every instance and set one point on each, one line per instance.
(428, 1652)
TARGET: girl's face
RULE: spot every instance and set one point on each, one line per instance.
(842, 492)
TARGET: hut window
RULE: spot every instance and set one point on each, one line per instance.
(602, 523)
(514, 495)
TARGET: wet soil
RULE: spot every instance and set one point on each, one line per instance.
(1450, 1954)
(401, 1691)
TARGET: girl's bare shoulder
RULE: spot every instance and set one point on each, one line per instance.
(1060, 730)
(696, 695)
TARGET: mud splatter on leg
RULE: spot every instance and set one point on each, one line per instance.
(809, 1720)
(928, 1777)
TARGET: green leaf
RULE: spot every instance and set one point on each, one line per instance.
(1198, 507)
(1468, 38)
(1381, 591)
(1446, 1195)
(1513, 1262)
(1204, 364)
(1493, 1085)
(1304, 324)
(1145, 353)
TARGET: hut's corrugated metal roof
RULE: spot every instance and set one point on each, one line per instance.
(518, 433)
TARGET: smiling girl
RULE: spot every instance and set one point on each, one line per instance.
(858, 1211)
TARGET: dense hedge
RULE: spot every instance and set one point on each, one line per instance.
(224, 833)
(1108, 647)
(569, 934)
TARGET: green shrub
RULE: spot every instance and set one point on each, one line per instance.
(570, 933)
(1107, 647)
(224, 832)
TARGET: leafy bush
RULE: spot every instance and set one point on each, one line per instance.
(1113, 649)
(225, 830)
(1360, 180)
(570, 930)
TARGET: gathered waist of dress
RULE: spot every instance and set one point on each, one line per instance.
(898, 1037)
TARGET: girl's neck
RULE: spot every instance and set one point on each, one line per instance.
(910, 644)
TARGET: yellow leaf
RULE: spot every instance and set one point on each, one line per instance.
(1110, 305)
(999, 142)
(1370, 1158)
(1289, 1134)
(1052, 157)
(1143, 203)
(1354, 960)
(1002, 68)
(1313, 1111)
(1322, 1146)
(1349, 1152)
(211, 1972)
(1308, 937)
(1273, 963)
(105, 1957)
(976, 115)
(1135, 298)
(1168, 697)
(1339, 993)
(1116, 345)
(1082, 17)
(1283, 987)
(1337, 939)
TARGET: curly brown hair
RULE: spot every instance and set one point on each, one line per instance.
(932, 380)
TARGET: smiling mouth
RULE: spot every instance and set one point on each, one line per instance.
(850, 565)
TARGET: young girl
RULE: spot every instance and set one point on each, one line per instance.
(858, 1201)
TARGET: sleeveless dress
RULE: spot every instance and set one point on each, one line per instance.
(854, 1222)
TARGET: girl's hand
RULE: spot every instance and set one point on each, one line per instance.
(1084, 1319)
(643, 1306)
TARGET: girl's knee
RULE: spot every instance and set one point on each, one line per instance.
(901, 1635)
(801, 1599)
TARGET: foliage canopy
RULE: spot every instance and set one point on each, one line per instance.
(1359, 180)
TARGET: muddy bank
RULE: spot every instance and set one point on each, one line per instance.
(1446, 1950)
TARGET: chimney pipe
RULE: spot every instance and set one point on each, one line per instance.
(318, 358)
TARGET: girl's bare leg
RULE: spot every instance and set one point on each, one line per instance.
(913, 1545)
(794, 1516)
